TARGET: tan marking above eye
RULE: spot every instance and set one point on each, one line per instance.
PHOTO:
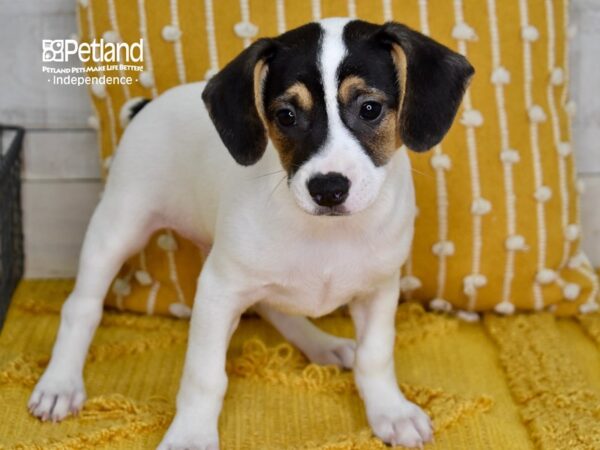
(296, 92)
(353, 85)
(302, 94)
(350, 85)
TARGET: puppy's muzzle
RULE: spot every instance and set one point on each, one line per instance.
(329, 190)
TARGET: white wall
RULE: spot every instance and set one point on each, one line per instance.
(61, 174)
(585, 88)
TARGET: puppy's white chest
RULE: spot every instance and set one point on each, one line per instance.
(316, 280)
(313, 293)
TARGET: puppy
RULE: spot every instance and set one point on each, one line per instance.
(302, 190)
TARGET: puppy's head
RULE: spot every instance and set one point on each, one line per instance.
(337, 99)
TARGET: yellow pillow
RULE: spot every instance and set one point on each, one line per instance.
(498, 226)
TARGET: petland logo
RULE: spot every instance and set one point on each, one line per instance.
(109, 61)
(61, 50)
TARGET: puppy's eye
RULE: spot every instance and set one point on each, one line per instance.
(286, 117)
(370, 110)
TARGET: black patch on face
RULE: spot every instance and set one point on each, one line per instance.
(230, 98)
(372, 62)
(296, 61)
(436, 78)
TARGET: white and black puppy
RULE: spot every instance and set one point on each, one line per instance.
(303, 193)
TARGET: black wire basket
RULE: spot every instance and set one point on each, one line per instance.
(11, 226)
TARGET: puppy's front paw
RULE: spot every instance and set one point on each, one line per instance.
(57, 395)
(405, 425)
(188, 434)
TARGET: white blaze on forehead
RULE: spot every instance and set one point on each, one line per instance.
(341, 152)
(332, 52)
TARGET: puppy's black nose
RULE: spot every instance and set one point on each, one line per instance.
(330, 189)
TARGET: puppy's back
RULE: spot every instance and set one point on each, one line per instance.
(170, 158)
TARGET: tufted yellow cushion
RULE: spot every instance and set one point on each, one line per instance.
(498, 226)
(508, 383)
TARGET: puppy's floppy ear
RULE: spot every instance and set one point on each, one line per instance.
(234, 101)
(432, 80)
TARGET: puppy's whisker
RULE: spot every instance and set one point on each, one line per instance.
(421, 173)
(268, 174)
(275, 188)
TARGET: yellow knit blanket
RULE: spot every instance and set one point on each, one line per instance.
(522, 382)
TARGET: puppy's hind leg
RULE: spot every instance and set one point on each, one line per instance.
(318, 346)
(115, 232)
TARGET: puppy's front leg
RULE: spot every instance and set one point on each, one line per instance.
(393, 419)
(216, 313)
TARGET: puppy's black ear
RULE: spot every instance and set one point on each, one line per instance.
(432, 81)
(234, 101)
